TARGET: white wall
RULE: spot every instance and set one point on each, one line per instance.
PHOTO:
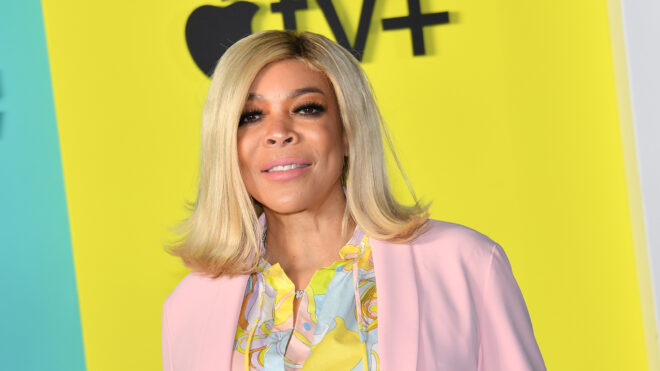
(641, 27)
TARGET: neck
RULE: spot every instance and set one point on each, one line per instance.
(308, 240)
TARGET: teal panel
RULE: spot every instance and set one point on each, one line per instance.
(39, 317)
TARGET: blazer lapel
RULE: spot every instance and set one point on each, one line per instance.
(219, 335)
(398, 305)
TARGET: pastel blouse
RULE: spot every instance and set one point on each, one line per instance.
(336, 324)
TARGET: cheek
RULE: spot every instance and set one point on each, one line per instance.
(245, 153)
(244, 148)
(335, 150)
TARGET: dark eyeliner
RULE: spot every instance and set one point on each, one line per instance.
(245, 115)
(317, 107)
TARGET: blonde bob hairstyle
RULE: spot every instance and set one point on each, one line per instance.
(222, 234)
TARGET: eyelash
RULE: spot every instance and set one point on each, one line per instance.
(317, 108)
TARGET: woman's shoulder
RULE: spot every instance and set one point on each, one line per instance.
(446, 239)
(443, 248)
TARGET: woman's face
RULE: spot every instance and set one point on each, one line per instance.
(291, 144)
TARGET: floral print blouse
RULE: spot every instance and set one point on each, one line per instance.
(336, 324)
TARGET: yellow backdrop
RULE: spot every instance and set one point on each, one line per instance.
(509, 125)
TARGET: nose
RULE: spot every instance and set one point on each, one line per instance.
(280, 130)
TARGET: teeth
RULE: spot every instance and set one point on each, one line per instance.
(285, 167)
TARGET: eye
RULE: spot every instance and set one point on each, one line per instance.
(310, 109)
(249, 117)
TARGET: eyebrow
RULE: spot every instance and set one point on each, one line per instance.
(293, 94)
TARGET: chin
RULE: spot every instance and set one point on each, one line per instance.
(295, 198)
(285, 206)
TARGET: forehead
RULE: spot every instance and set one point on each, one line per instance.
(282, 77)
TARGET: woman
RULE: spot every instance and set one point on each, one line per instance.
(292, 168)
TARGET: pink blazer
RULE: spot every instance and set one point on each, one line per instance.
(446, 301)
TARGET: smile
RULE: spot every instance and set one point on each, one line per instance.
(285, 167)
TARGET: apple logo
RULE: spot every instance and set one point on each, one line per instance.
(211, 30)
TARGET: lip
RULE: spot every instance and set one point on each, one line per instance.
(284, 161)
(286, 174)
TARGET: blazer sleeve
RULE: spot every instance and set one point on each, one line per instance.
(506, 336)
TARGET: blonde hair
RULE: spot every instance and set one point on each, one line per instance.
(222, 234)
